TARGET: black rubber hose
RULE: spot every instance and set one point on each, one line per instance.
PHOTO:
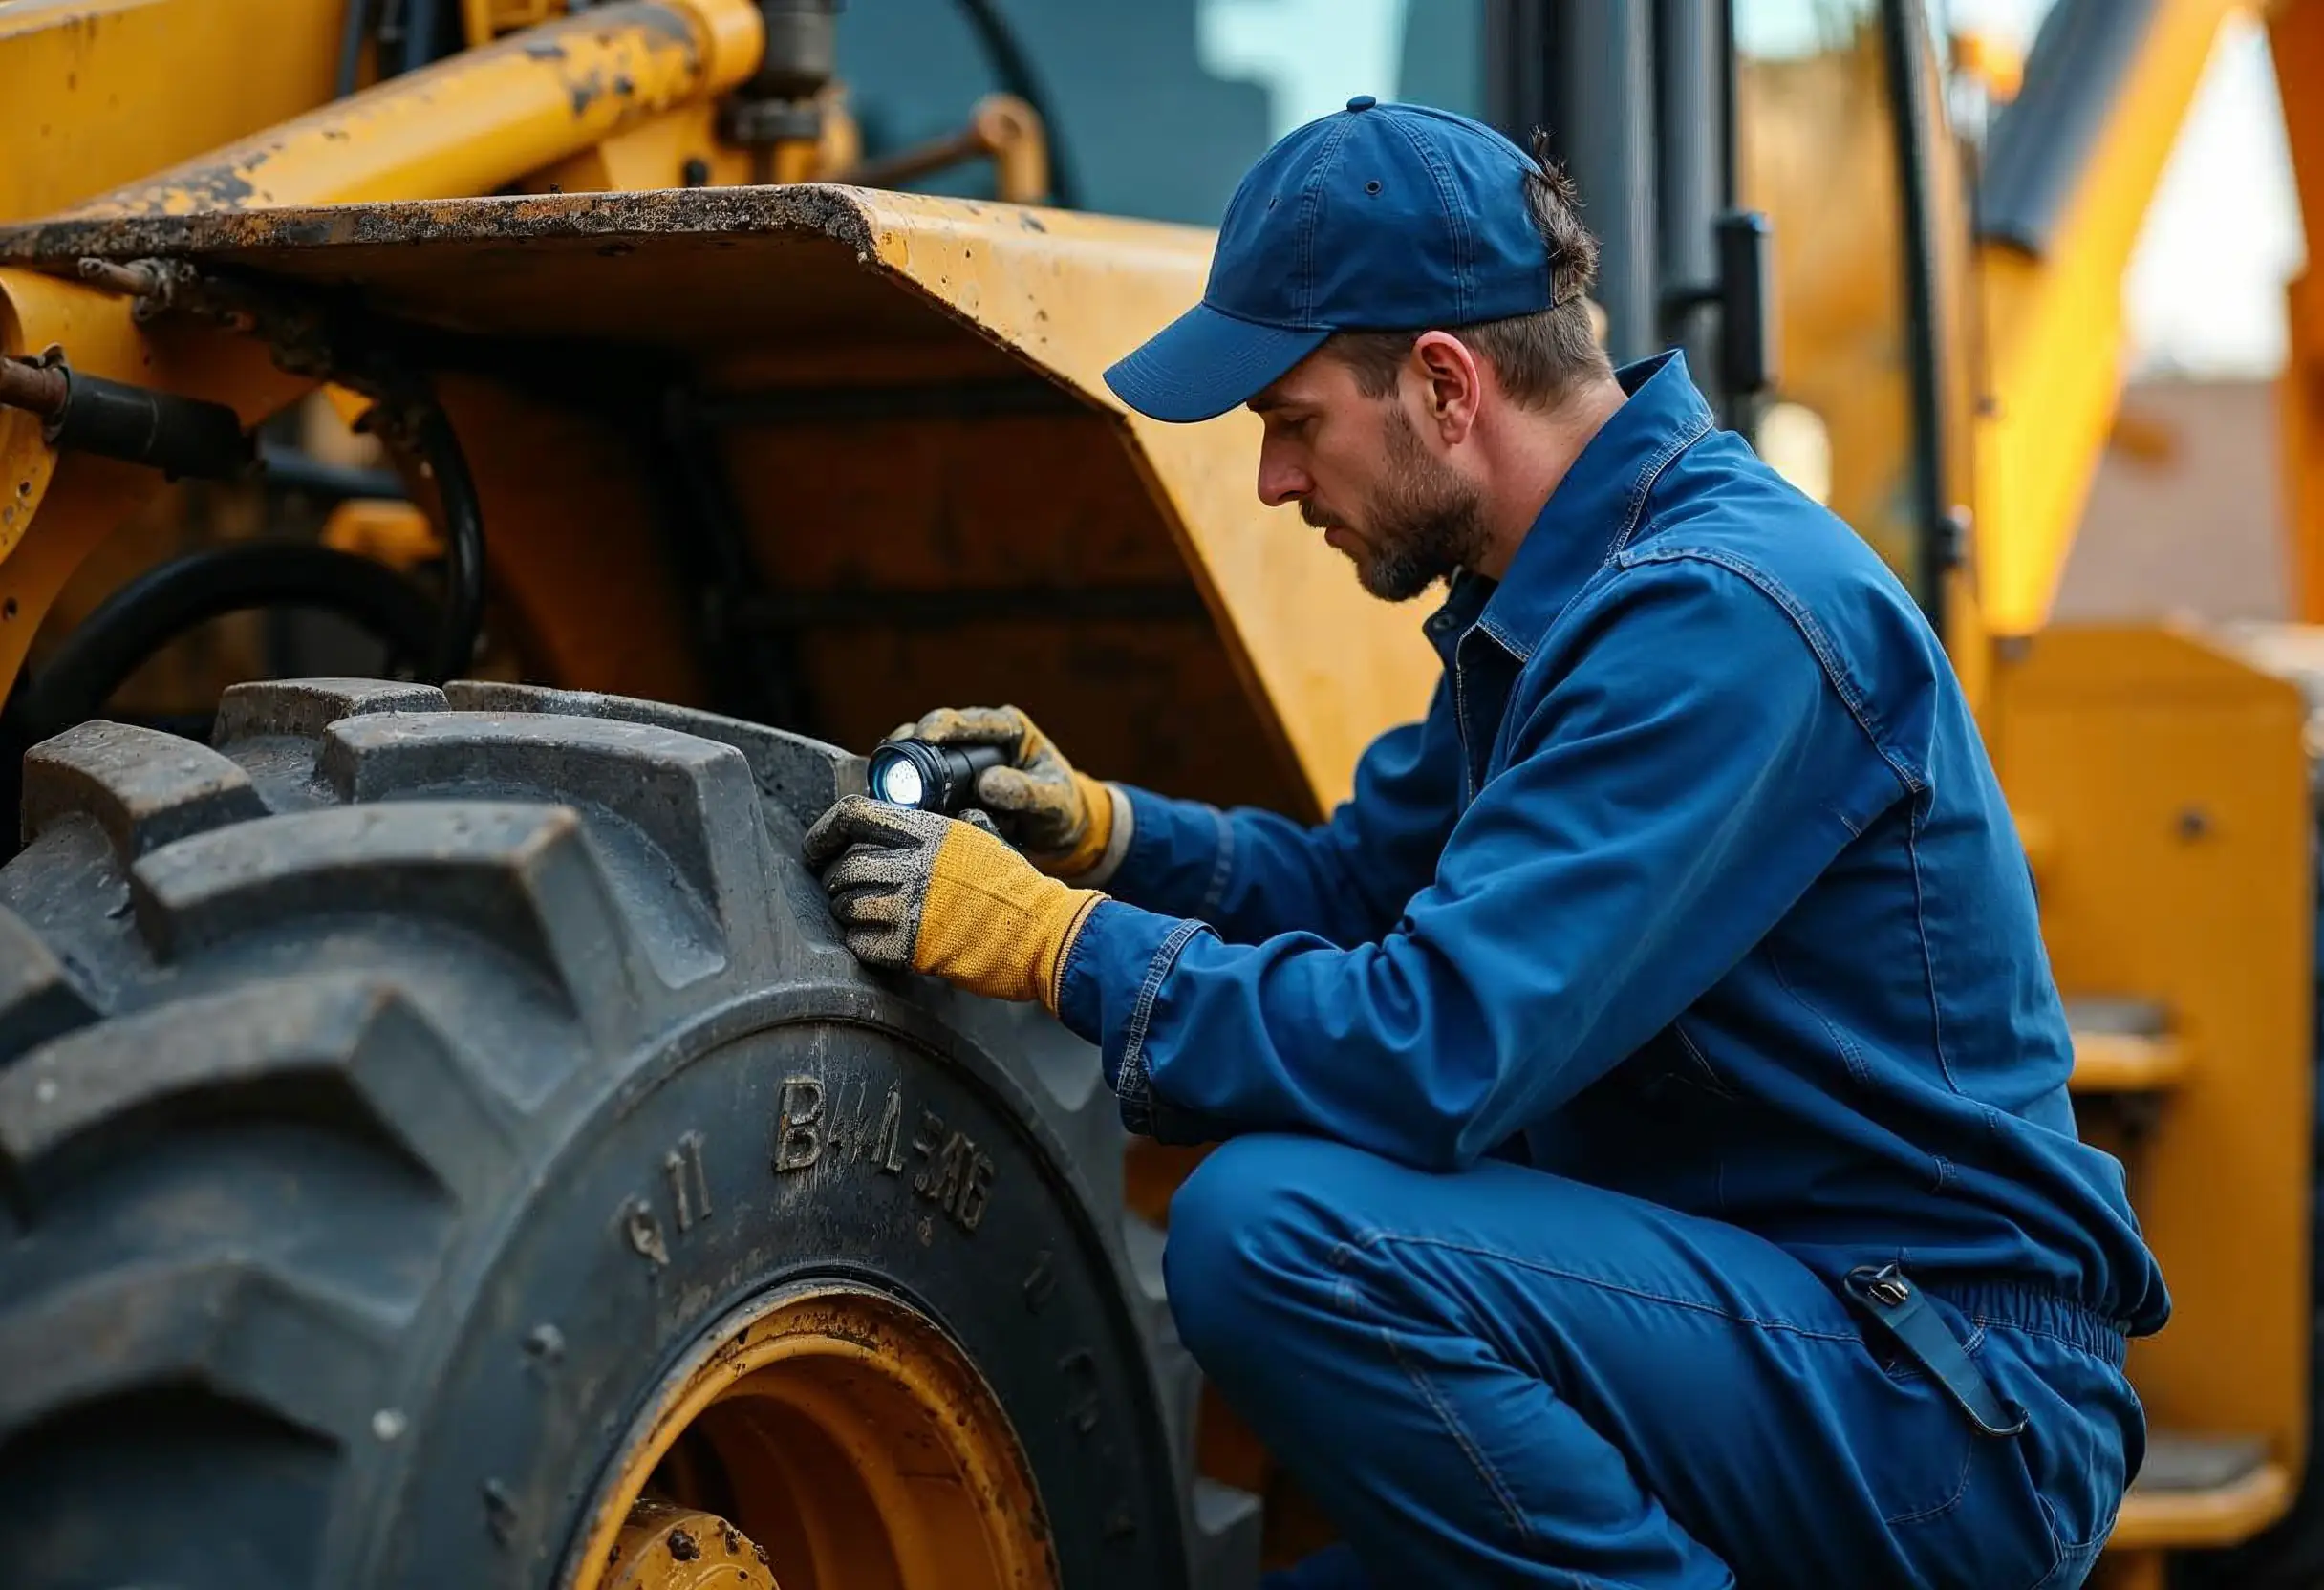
(159, 605)
(1014, 73)
(288, 470)
(464, 539)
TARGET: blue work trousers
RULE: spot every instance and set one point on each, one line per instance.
(1503, 1377)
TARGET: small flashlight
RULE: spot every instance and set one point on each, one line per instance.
(934, 778)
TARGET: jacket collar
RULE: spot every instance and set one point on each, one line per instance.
(1594, 510)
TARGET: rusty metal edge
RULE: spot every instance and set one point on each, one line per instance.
(833, 211)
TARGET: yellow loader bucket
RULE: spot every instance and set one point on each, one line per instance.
(906, 428)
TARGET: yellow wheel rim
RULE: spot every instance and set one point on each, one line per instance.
(837, 1430)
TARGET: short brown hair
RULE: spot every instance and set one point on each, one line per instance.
(1538, 358)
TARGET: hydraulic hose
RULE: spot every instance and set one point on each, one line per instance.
(161, 604)
(1015, 73)
(464, 539)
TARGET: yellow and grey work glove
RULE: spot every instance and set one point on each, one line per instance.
(918, 889)
(1071, 825)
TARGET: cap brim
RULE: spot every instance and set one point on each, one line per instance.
(1203, 363)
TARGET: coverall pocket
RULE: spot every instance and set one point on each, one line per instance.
(2034, 1509)
(1992, 1532)
(1958, 1505)
(2084, 1420)
(1922, 1472)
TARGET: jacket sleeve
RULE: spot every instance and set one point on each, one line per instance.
(1252, 874)
(1681, 784)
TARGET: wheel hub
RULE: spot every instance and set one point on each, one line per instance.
(665, 1547)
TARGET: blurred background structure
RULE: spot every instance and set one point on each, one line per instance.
(2204, 297)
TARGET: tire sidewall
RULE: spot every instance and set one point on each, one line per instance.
(825, 1133)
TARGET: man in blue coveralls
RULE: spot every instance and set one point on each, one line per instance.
(1646, 1158)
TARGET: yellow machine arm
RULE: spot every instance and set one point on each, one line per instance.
(474, 121)
(2073, 165)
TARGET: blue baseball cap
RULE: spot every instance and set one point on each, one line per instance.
(1373, 218)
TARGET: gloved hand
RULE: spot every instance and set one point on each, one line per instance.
(1065, 820)
(915, 889)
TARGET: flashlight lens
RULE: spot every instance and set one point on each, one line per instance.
(898, 783)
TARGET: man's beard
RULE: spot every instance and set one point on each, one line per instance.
(1424, 523)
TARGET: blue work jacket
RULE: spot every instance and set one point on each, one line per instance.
(1695, 883)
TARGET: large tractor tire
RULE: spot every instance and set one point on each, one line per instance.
(447, 1145)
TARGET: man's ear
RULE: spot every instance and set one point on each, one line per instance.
(1452, 384)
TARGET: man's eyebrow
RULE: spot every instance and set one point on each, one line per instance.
(1268, 402)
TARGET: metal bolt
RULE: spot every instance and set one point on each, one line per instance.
(388, 1423)
(2194, 823)
(683, 1546)
(136, 280)
(45, 1089)
(546, 1342)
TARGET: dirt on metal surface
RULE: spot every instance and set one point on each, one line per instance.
(664, 1547)
(235, 236)
(706, 270)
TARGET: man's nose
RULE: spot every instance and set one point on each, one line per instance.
(1280, 480)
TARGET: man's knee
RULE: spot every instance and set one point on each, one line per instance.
(1252, 1235)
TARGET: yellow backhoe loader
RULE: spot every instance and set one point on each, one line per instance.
(467, 470)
